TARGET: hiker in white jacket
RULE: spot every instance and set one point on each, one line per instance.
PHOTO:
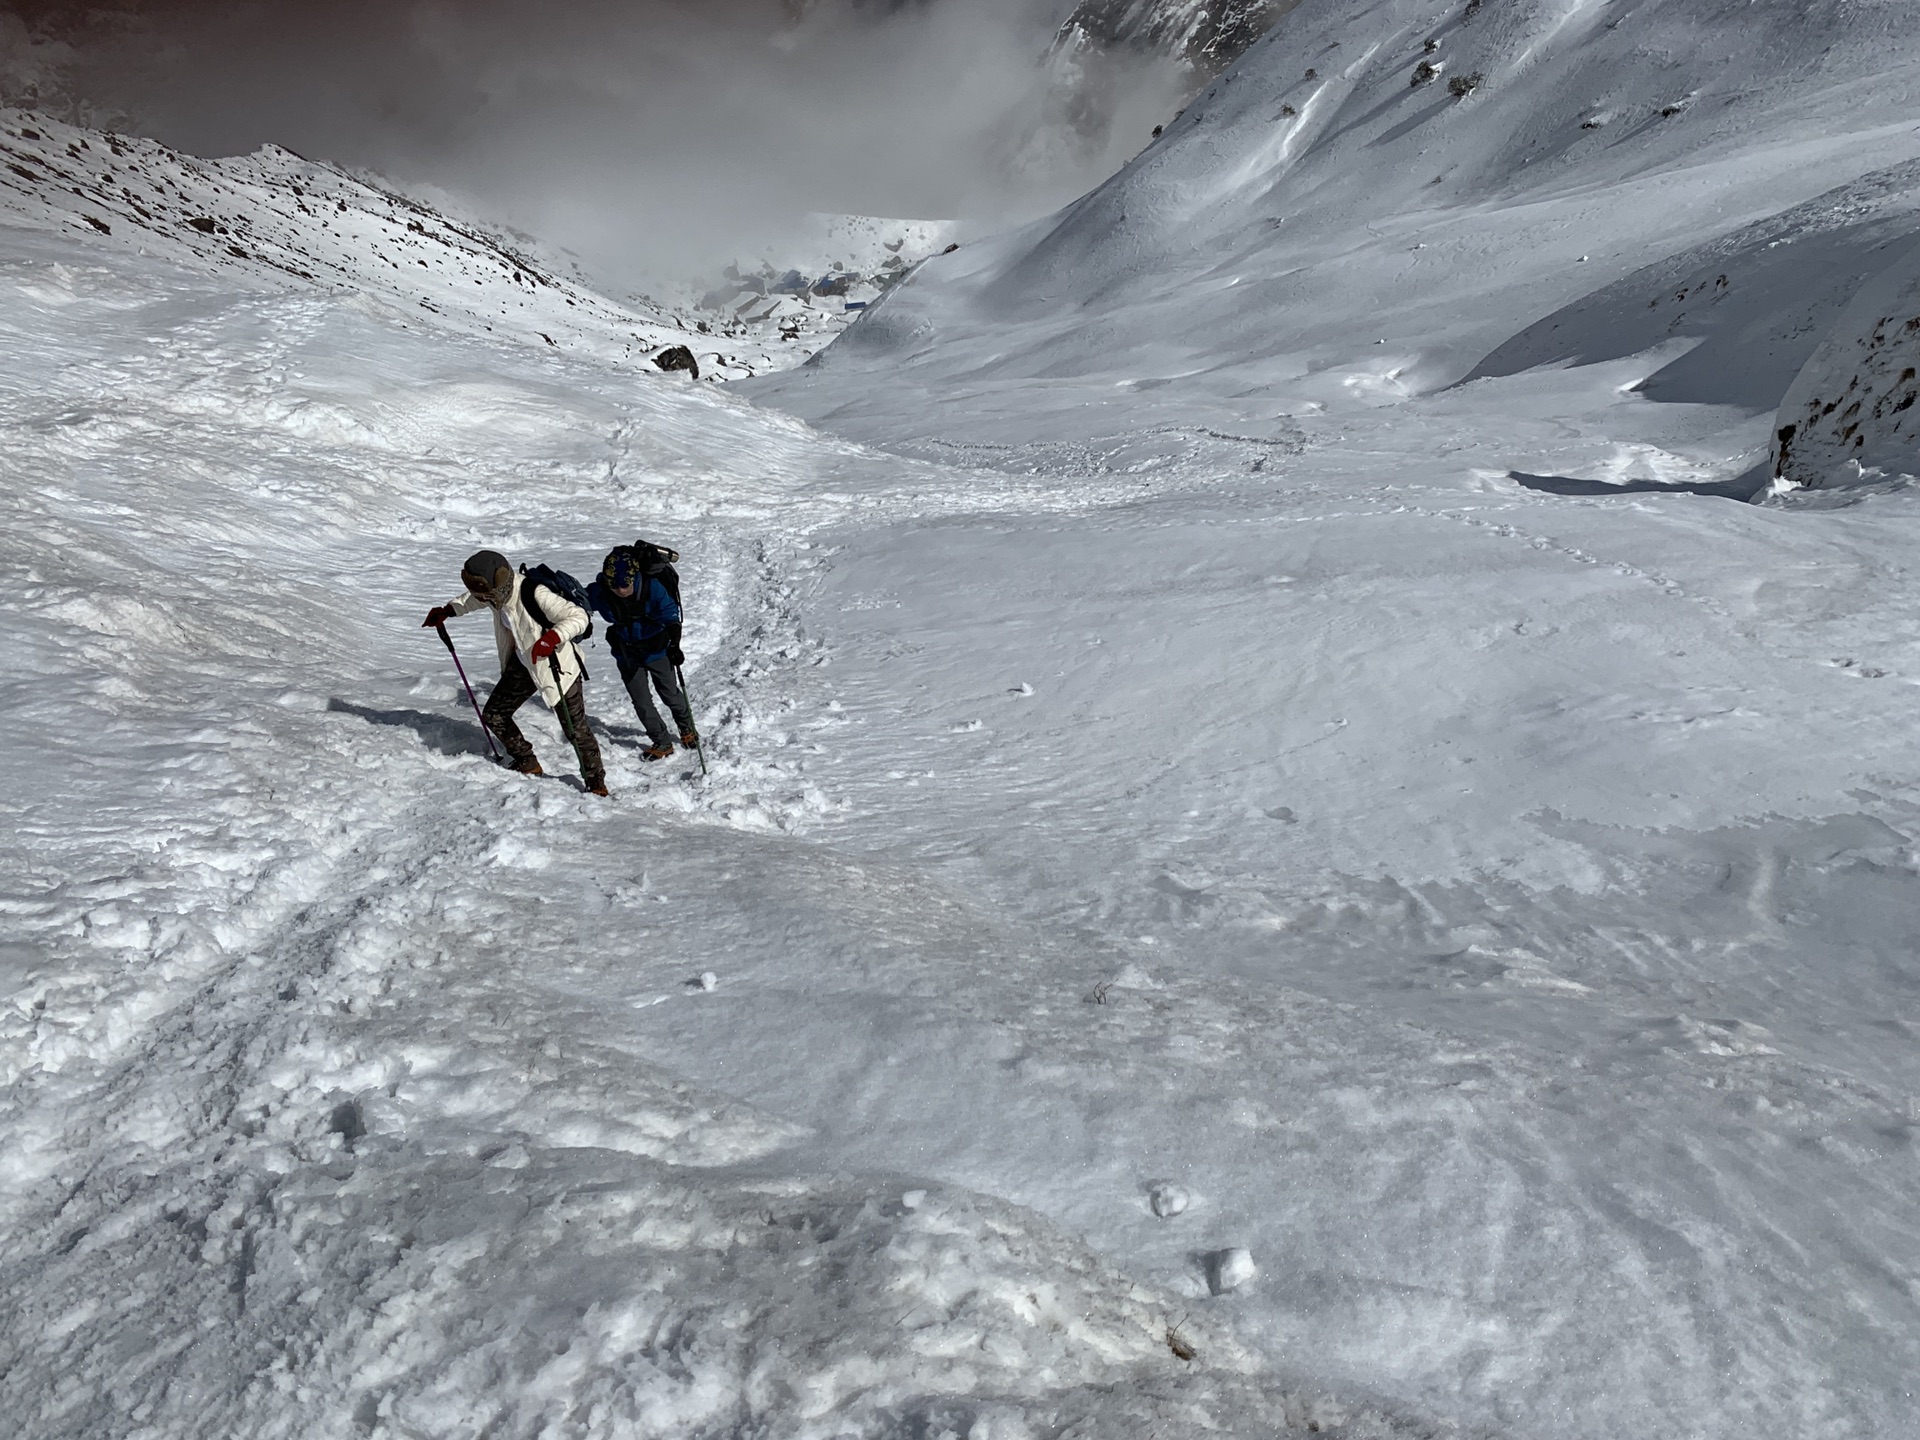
(534, 659)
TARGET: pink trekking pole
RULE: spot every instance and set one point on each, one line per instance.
(447, 640)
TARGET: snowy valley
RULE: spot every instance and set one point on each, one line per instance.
(1312, 810)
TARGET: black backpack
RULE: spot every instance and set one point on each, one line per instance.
(656, 563)
(561, 584)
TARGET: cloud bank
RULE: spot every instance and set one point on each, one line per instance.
(652, 137)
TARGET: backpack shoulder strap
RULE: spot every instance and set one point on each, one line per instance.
(669, 579)
(532, 606)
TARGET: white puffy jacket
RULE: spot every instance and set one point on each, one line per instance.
(515, 630)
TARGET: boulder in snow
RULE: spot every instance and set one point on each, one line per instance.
(678, 357)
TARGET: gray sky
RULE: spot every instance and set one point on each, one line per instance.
(650, 136)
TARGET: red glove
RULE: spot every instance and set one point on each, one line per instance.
(437, 617)
(546, 645)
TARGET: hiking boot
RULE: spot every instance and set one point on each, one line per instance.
(690, 739)
(597, 787)
(658, 752)
(528, 766)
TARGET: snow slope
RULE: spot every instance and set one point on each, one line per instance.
(1197, 747)
(1430, 674)
(1322, 224)
(276, 218)
(330, 1106)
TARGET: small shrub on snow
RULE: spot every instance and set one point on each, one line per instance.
(1425, 73)
(1461, 86)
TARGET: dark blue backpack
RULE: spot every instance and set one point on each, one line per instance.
(561, 584)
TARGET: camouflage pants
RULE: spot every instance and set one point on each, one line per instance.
(514, 690)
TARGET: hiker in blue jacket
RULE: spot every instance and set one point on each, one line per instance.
(637, 594)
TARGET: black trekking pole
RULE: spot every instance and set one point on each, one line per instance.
(700, 747)
(447, 640)
(566, 711)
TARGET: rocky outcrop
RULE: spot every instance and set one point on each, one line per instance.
(1206, 35)
(1851, 417)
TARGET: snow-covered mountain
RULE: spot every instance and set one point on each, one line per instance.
(1281, 854)
(1498, 186)
(279, 219)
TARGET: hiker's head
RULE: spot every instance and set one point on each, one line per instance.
(621, 570)
(488, 575)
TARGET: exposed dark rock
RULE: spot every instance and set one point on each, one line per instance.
(1209, 35)
(678, 357)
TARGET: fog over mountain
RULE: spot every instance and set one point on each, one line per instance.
(649, 138)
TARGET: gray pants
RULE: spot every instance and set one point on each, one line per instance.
(660, 671)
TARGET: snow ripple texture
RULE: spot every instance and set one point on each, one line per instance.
(329, 1106)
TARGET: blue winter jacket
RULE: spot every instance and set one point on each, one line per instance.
(640, 626)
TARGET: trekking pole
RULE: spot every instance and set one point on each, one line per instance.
(566, 712)
(701, 748)
(447, 640)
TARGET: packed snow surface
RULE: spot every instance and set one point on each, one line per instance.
(1279, 854)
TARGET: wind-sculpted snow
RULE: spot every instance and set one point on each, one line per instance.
(330, 1106)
